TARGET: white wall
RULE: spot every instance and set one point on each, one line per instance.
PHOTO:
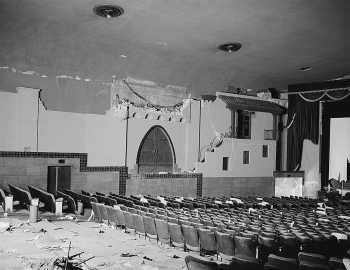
(18, 120)
(216, 117)
(8, 120)
(103, 136)
(339, 147)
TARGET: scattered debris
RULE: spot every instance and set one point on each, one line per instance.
(71, 262)
(41, 231)
(128, 255)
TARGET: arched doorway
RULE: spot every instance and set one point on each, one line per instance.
(156, 152)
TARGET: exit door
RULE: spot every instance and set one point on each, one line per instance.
(58, 178)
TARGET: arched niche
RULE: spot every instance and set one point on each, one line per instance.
(156, 152)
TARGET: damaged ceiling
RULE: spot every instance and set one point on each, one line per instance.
(171, 43)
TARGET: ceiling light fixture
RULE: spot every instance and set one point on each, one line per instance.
(307, 68)
(108, 11)
(230, 47)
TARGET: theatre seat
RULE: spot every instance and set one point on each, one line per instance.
(266, 246)
(194, 263)
(139, 226)
(150, 227)
(96, 211)
(129, 222)
(207, 241)
(275, 262)
(176, 236)
(21, 195)
(245, 247)
(190, 237)
(225, 245)
(162, 231)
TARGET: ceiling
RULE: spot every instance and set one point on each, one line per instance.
(174, 42)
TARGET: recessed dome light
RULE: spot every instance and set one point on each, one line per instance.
(108, 11)
(305, 68)
(230, 47)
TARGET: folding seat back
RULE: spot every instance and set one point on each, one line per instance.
(150, 227)
(275, 262)
(197, 225)
(129, 221)
(266, 246)
(139, 226)
(131, 210)
(245, 246)
(163, 217)
(195, 220)
(152, 211)
(149, 214)
(2, 196)
(173, 220)
(207, 222)
(207, 241)
(162, 230)
(191, 237)
(212, 228)
(225, 244)
(45, 197)
(112, 215)
(96, 212)
(123, 207)
(312, 258)
(103, 211)
(120, 217)
(288, 246)
(21, 195)
(246, 263)
(161, 212)
(68, 201)
(176, 236)
(268, 234)
(194, 263)
(185, 222)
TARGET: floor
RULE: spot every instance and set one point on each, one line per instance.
(36, 245)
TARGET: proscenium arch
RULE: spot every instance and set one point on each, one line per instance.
(156, 152)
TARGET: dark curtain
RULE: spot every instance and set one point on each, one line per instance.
(305, 126)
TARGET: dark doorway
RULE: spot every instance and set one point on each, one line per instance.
(156, 152)
(58, 178)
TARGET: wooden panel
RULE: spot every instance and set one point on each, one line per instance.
(156, 152)
(51, 179)
(64, 177)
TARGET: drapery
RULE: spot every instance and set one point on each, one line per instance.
(305, 126)
(303, 108)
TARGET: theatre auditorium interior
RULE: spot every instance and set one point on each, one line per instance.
(176, 135)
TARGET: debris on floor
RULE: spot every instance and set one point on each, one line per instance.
(127, 255)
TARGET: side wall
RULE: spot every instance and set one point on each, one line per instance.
(102, 137)
(187, 185)
(238, 186)
(28, 168)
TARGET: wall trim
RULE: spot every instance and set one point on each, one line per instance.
(83, 157)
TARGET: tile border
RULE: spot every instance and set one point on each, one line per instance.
(83, 157)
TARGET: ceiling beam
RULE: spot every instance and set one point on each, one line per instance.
(304, 87)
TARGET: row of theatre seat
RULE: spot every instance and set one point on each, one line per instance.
(263, 238)
(47, 200)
